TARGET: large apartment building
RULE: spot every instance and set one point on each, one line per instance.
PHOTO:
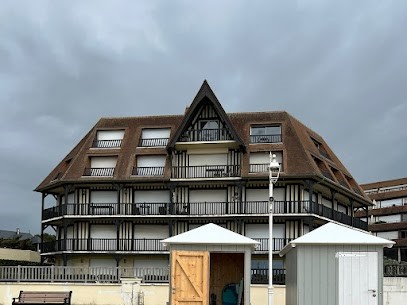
(388, 215)
(133, 181)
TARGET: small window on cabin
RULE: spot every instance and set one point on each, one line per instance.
(265, 134)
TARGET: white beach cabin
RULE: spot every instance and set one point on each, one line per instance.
(335, 265)
(209, 265)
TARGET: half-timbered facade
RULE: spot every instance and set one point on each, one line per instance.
(131, 182)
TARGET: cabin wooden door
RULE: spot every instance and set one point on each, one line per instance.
(189, 278)
(358, 278)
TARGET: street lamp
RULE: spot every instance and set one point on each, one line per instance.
(274, 173)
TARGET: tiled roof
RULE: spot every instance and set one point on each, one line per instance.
(302, 158)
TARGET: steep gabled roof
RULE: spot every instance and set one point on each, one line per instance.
(204, 95)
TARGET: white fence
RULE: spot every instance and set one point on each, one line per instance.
(80, 274)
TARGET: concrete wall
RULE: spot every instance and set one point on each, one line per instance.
(19, 255)
(127, 293)
(394, 290)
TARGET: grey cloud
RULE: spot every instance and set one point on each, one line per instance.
(339, 67)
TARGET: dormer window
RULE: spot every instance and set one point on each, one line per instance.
(154, 137)
(108, 139)
(101, 167)
(265, 134)
(209, 130)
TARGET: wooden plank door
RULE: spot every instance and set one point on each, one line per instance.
(189, 278)
(358, 278)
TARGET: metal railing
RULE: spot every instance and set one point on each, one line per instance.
(202, 208)
(153, 142)
(395, 270)
(261, 276)
(272, 138)
(278, 244)
(148, 171)
(109, 274)
(205, 171)
(205, 135)
(99, 171)
(105, 244)
(107, 143)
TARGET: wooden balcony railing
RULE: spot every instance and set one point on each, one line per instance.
(107, 143)
(109, 274)
(278, 244)
(153, 142)
(272, 138)
(105, 244)
(202, 209)
(148, 171)
(205, 171)
(206, 135)
(99, 171)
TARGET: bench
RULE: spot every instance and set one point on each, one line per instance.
(43, 297)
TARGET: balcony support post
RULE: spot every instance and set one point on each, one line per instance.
(352, 212)
(118, 188)
(42, 226)
(65, 235)
(333, 193)
(172, 198)
(310, 186)
(117, 224)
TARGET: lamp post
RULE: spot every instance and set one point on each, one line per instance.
(274, 173)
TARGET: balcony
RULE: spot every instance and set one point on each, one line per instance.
(153, 142)
(205, 171)
(278, 244)
(105, 245)
(148, 171)
(201, 209)
(104, 209)
(206, 135)
(99, 171)
(107, 143)
(271, 138)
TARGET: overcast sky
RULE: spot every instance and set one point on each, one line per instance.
(338, 66)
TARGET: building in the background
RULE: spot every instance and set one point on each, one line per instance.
(388, 215)
(133, 181)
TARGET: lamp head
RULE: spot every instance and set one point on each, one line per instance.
(274, 168)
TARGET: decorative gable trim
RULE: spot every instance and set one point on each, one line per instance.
(205, 95)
